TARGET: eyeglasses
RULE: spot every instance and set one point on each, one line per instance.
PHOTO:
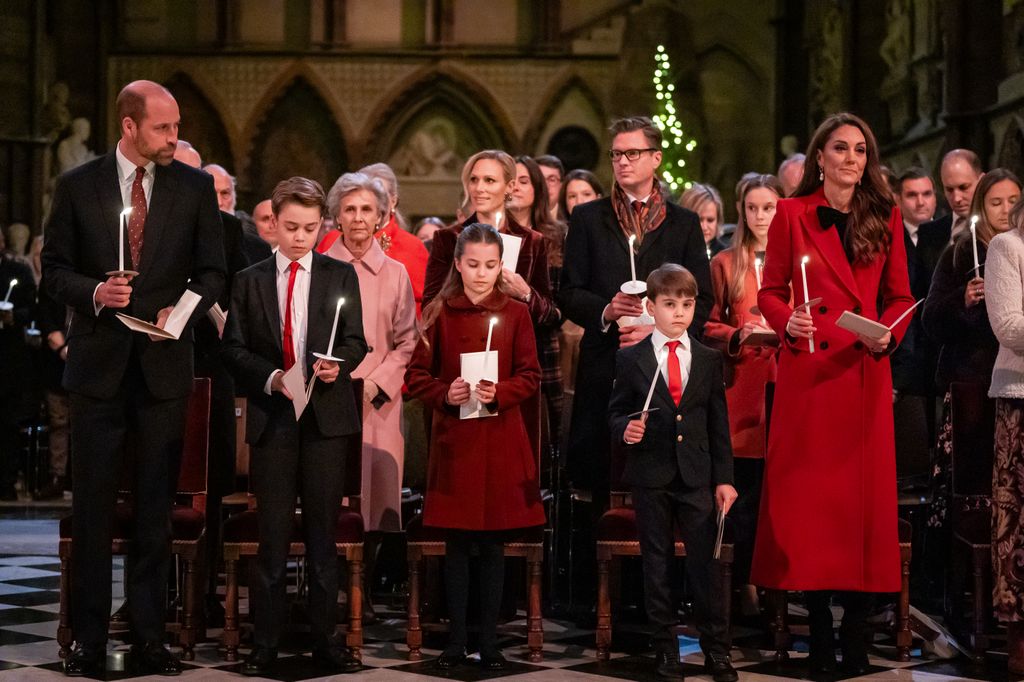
(631, 154)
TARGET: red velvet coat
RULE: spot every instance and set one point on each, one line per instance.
(481, 473)
(828, 506)
(747, 368)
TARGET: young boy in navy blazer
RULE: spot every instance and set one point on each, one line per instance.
(679, 464)
(281, 312)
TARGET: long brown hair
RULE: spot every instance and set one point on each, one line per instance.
(540, 216)
(867, 233)
(983, 229)
(477, 233)
(743, 240)
(577, 174)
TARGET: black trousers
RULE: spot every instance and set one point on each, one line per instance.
(749, 475)
(491, 547)
(296, 460)
(99, 430)
(692, 510)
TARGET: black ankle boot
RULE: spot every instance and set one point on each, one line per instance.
(853, 633)
(822, 658)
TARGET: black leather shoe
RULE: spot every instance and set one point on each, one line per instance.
(668, 666)
(337, 658)
(492, 660)
(155, 659)
(86, 661)
(450, 659)
(720, 668)
(259, 661)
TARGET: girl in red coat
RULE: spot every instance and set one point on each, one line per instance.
(828, 505)
(481, 473)
(750, 360)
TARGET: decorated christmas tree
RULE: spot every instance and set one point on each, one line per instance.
(676, 146)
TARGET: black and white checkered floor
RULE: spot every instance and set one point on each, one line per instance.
(28, 651)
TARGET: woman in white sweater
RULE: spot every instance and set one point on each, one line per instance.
(1004, 293)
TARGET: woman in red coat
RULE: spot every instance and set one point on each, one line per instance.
(481, 473)
(828, 506)
(750, 360)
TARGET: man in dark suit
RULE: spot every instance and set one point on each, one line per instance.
(282, 310)
(960, 173)
(678, 461)
(120, 381)
(16, 380)
(596, 265)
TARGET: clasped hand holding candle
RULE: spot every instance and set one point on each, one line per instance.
(975, 290)
(459, 392)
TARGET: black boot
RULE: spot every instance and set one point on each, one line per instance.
(822, 658)
(853, 632)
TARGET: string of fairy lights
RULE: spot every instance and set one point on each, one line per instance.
(676, 149)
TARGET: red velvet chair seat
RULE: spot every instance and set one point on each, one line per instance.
(187, 524)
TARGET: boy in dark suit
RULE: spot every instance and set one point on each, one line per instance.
(281, 311)
(679, 463)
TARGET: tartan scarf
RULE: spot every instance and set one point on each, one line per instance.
(649, 218)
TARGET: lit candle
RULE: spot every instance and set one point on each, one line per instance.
(334, 328)
(487, 347)
(803, 273)
(632, 259)
(974, 241)
(757, 273)
(10, 288)
(654, 379)
(709, 252)
(120, 242)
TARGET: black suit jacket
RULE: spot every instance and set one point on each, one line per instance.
(596, 263)
(914, 360)
(691, 439)
(252, 343)
(182, 249)
(932, 239)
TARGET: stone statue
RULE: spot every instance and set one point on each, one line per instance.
(56, 115)
(72, 152)
(429, 152)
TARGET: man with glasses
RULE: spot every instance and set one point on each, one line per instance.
(552, 169)
(595, 267)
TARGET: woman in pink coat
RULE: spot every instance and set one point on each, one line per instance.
(360, 207)
(828, 507)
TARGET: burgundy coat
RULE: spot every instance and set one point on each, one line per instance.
(481, 473)
(828, 505)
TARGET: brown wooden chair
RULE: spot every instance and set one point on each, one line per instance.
(188, 527)
(241, 541)
(424, 541)
(617, 537)
(972, 416)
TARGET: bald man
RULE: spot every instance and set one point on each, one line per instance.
(122, 381)
(187, 154)
(224, 183)
(960, 173)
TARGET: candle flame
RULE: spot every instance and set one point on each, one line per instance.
(13, 282)
(494, 321)
(341, 301)
(632, 238)
(805, 260)
(974, 220)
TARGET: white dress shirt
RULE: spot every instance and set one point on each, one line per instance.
(912, 231)
(300, 306)
(658, 340)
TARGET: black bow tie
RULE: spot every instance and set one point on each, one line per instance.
(828, 216)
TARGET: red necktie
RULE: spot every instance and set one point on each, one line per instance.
(287, 343)
(638, 206)
(137, 220)
(675, 373)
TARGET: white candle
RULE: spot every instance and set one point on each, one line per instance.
(10, 288)
(803, 274)
(487, 347)
(654, 380)
(120, 242)
(632, 259)
(497, 221)
(974, 241)
(757, 274)
(334, 328)
(709, 252)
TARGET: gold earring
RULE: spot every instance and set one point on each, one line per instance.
(508, 196)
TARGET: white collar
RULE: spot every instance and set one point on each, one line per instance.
(658, 340)
(911, 228)
(283, 261)
(126, 169)
(642, 200)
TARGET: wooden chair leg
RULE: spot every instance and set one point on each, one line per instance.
(904, 638)
(534, 617)
(779, 626)
(230, 634)
(982, 600)
(64, 637)
(413, 631)
(187, 634)
(354, 640)
(604, 607)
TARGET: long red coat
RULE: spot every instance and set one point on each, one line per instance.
(748, 368)
(828, 506)
(481, 473)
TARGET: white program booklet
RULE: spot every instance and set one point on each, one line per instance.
(296, 385)
(477, 366)
(175, 321)
(511, 246)
(217, 314)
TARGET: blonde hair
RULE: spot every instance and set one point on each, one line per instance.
(507, 163)
(699, 194)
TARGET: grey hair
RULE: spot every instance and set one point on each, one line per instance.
(351, 182)
(383, 172)
(789, 161)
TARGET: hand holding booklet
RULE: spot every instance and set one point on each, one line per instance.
(870, 328)
(175, 323)
(476, 367)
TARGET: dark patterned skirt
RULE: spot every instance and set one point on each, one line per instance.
(1007, 506)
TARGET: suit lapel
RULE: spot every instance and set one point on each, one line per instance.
(648, 364)
(267, 286)
(611, 223)
(108, 192)
(697, 377)
(165, 187)
(830, 250)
